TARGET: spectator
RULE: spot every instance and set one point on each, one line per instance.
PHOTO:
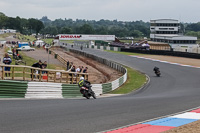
(73, 69)
(67, 65)
(17, 51)
(85, 70)
(39, 65)
(81, 68)
(70, 65)
(78, 69)
(13, 52)
(44, 66)
(7, 60)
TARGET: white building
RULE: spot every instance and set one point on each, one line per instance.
(2, 31)
(168, 31)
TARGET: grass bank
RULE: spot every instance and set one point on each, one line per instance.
(134, 81)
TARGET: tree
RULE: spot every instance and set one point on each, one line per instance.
(86, 29)
(193, 27)
(35, 25)
(136, 33)
(3, 19)
(66, 30)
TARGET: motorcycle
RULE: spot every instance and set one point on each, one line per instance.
(158, 73)
(87, 93)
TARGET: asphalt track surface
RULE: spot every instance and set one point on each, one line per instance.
(175, 91)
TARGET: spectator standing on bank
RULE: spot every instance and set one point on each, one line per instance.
(70, 65)
(85, 70)
(81, 68)
(67, 65)
(13, 52)
(73, 69)
(44, 66)
(78, 69)
(38, 65)
(7, 60)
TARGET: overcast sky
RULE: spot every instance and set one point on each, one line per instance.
(122, 10)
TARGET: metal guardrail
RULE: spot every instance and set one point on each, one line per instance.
(27, 73)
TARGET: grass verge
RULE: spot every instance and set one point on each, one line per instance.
(134, 81)
(48, 41)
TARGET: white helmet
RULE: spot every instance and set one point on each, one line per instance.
(81, 78)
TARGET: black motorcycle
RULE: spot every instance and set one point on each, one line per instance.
(87, 93)
(157, 72)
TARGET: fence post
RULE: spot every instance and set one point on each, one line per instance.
(3, 73)
(40, 75)
(13, 74)
(23, 73)
(61, 76)
(55, 77)
(67, 77)
(47, 76)
(72, 78)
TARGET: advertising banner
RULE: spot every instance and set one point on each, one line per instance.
(86, 37)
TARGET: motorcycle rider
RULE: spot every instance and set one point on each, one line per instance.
(156, 69)
(84, 83)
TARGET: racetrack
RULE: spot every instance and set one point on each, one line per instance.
(176, 90)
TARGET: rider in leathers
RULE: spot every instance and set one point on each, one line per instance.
(84, 83)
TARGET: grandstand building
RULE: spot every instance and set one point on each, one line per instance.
(168, 31)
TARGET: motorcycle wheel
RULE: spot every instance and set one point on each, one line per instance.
(94, 95)
(86, 95)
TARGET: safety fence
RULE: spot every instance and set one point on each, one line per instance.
(105, 47)
(57, 56)
(99, 47)
(34, 89)
(27, 73)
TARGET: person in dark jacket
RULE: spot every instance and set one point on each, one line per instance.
(38, 65)
(7, 60)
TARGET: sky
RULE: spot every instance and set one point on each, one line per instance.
(121, 10)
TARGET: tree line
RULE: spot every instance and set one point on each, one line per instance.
(22, 25)
(81, 26)
(104, 27)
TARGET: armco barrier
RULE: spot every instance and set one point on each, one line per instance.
(12, 89)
